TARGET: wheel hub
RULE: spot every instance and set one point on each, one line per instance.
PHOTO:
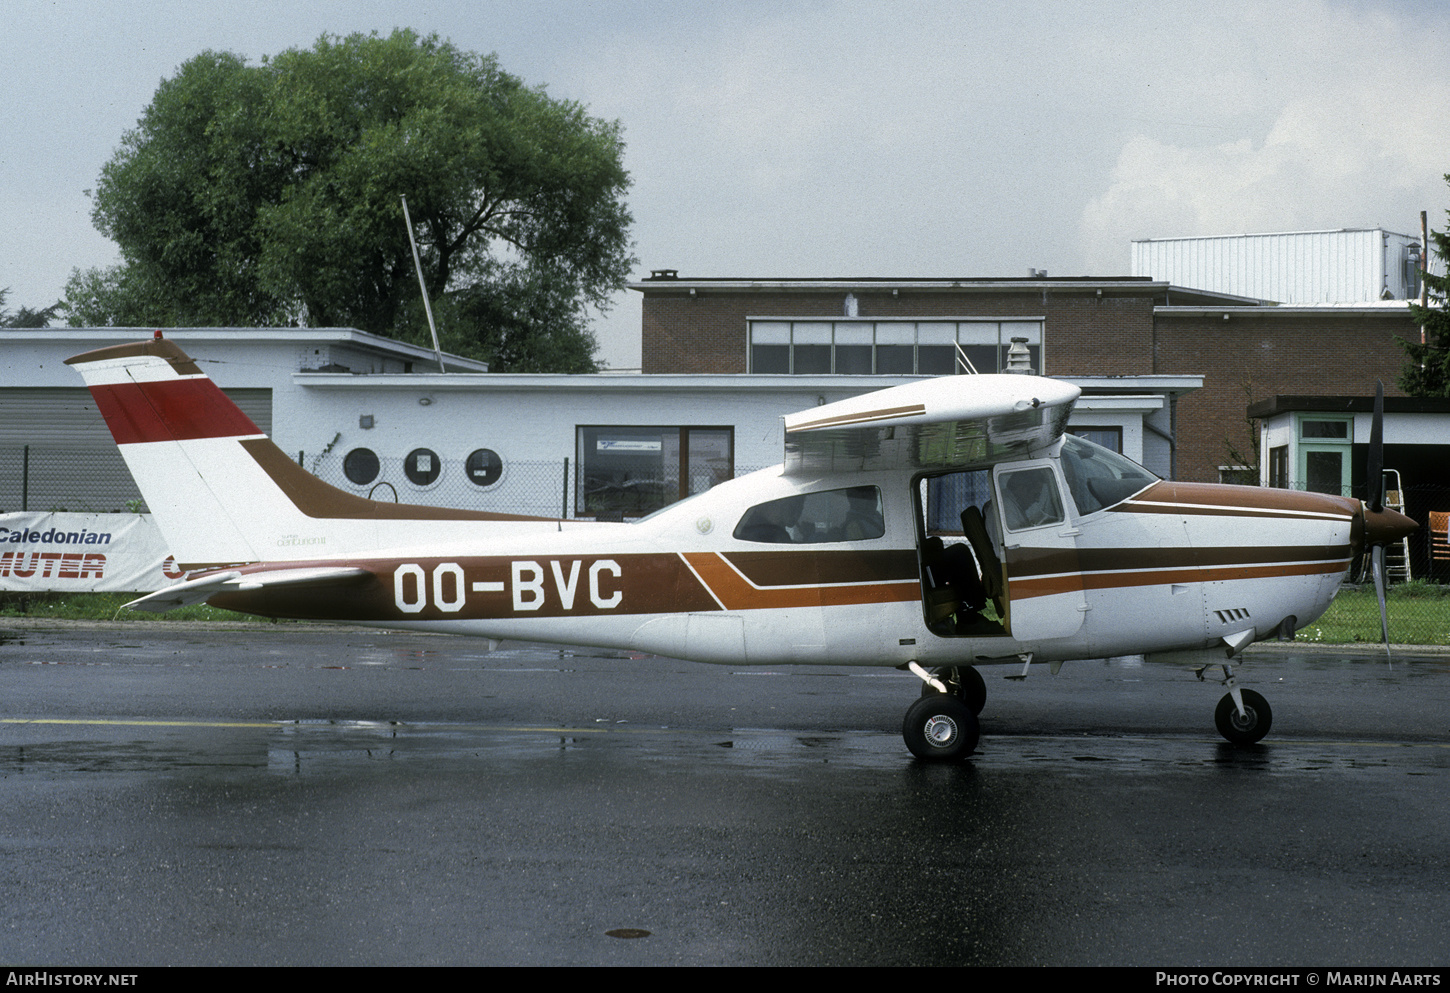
(940, 730)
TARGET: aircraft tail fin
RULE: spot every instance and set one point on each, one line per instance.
(220, 491)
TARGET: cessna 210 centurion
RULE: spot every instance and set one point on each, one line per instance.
(838, 556)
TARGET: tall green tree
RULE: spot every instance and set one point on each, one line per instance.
(25, 317)
(1427, 367)
(269, 194)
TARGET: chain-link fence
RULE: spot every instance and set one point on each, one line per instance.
(87, 480)
(80, 480)
(541, 488)
(537, 488)
(1429, 557)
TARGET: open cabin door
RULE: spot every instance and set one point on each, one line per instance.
(1045, 596)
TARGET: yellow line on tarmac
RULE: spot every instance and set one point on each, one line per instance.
(287, 725)
(161, 724)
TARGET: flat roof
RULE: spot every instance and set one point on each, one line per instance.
(82, 337)
(734, 382)
(1374, 308)
(1133, 285)
(1323, 404)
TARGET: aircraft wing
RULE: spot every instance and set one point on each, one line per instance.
(204, 588)
(933, 424)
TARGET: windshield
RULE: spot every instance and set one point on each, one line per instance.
(1097, 477)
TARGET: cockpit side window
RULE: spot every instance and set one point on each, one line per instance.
(1030, 498)
(1097, 477)
(852, 514)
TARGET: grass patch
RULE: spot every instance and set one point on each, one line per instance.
(1419, 614)
(106, 607)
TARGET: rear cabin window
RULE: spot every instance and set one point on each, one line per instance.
(852, 514)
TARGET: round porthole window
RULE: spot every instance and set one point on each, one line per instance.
(484, 467)
(360, 466)
(422, 466)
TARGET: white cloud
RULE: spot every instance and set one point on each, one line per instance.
(1354, 141)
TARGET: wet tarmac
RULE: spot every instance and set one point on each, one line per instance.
(290, 796)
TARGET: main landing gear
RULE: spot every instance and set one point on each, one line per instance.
(942, 727)
(1242, 716)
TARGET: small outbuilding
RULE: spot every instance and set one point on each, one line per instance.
(1321, 443)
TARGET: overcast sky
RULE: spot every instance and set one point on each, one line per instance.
(835, 139)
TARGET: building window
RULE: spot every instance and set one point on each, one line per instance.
(1108, 437)
(1279, 467)
(483, 467)
(1323, 455)
(361, 466)
(422, 467)
(631, 471)
(1238, 475)
(887, 348)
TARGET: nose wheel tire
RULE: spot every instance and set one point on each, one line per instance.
(940, 728)
(1248, 728)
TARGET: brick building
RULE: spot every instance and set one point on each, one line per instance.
(1246, 350)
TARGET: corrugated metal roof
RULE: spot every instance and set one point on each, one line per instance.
(1297, 267)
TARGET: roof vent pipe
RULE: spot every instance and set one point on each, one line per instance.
(1019, 360)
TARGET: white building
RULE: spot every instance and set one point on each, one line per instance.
(1351, 265)
(367, 414)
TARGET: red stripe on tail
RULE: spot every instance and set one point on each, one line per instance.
(170, 410)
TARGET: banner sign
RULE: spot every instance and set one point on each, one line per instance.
(83, 553)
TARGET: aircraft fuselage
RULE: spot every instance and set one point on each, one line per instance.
(1174, 566)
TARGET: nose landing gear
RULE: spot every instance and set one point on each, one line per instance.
(1247, 727)
(1242, 716)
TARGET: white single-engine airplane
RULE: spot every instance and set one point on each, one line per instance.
(1071, 551)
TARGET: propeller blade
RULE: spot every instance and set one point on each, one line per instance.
(1377, 566)
(1374, 481)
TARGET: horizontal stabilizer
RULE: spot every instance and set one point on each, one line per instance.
(205, 587)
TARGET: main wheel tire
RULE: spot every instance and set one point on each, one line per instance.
(963, 682)
(1249, 728)
(940, 728)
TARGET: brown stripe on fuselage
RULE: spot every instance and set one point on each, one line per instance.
(1028, 587)
(317, 499)
(1034, 572)
(802, 567)
(735, 592)
(650, 583)
(1024, 563)
(1218, 499)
